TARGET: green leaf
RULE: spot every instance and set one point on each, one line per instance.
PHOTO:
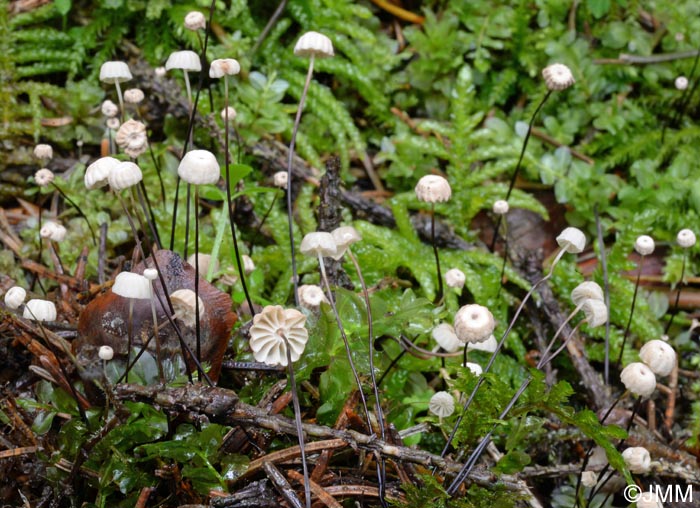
(513, 462)
(63, 6)
(599, 8)
(236, 173)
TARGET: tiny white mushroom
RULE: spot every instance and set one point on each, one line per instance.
(109, 109)
(475, 368)
(644, 245)
(444, 334)
(183, 301)
(195, 20)
(686, 238)
(659, 356)
(97, 173)
(224, 67)
(318, 243)
(442, 404)
(572, 240)
(314, 44)
(344, 237)
(132, 285)
(43, 177)
(501, 207)
(681, 83)
(586, 290)
(15, 297)
(43, 151)
(199, 167)
(105, 353)
(40, 310)
(124, 175)
(474, 323)
(455, 278)
(637, 459)
(589, 479)
(280, 179)
(596, 312)
(270, 329)
(638, 379)
(433, 189)
(311, 296)
(134, 95)
(557, 77)
(53, 231)
(114, 73)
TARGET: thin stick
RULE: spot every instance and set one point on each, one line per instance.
(196, 273)
(150, 217)
(297, 120)
(435, 251)
(187, 221)
(606, 288)
(156, 164)
(629, 321)
(77, 209)
(674, 310)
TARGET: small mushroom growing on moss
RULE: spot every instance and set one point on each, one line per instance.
(115, 73)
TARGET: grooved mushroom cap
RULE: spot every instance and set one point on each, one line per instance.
(638, 379)
(444, 334)
(589, 479)
(596, 312)
(43, 151)
(185, 60)
(474, 323)
(317, 243)
(442, 404)
(199, 167)
(109, 109)
(681, 83)
(43, 177)
(586, 290)
(124, 175)
(433, 189)
(271, 327)
(455, 278)
(39, 310)
(183, 304)
(115, 72)
(133, 95)
(314, 44)
(686, 238)
(659, 356)
(644, 245)
(311, 296)
(204, 261)
(489, 345)
(97, 173)
(280, 179)
(15, 297)
(105, 353)
(344, 237)
(572, 240)
(224, 67)
(132, 138)
(501, 207)
(637, 459)
(195, 20)
(557, 77)
(132, 285)
(53, 231)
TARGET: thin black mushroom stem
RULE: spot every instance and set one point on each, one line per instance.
(571, 240)
(686, 240)
(311, 45)
(596, 315)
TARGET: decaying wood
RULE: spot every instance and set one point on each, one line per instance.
(282, 485)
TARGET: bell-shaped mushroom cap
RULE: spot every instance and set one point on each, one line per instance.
(199, 167)
(124, 175)
(15, 297)
(637, 459)
(659, 356)
(40, 310)
(572, 240)
(115, 72)
(557, 77)
(271, 327)
(585, 290)
(474, 323)
(150, 273)
(105, 353)
(314, 44)
(317, 243)
(43, 151)
(311, 296)
(442, 404)
(132, 285)
(501, 207)
(686, 238)
(596, 312)
(433, 189)
(53, 231)
(97, 173)
(455, 278)
(344, 237)
(489, 345)
(224, 67)
(644, 245)
(280, 179)
(638, 379)
(43, 177)
(185, 60)
(446, 338)
(183, 304)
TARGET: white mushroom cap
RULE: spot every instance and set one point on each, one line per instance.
(442, 404)
(317, 243)
(43, 177)
(184, 306)
(314, 44)
(185, 60)
(15, 297)
(160, 71)
(685, 238)
(501, 207)
(248, 264)
(455, 278)
(681, 83)
(488, 346)
(53, 231)
(596, 312)
(598, 458)
(105, 353)
(39, 310)
(586, 290)
(433, 189)
(199, 167)
(132, 285)
(115, 72)
(444, 334)
(649, 500)
(132, 138)
(204, 261)
(195, 20)
(109, 109)
(150, 273)
(344, 237)
(311, 296)
(224, 67)
(269, 327)
(659, 356)
(644, 245)
(475, 368)
(589, 479)
(97, 173)
(557, 77)
(133, 95)
(637, 459)
(43, 151)
(124, 175)
(280, 179)
(638, 379)
(474, 323)
(572, 240)
(113, 123)
(231, 116)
